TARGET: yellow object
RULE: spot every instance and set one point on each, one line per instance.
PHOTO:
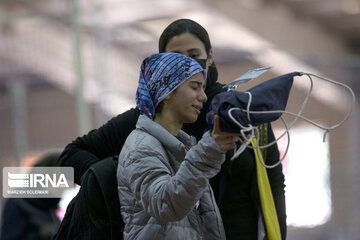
(266, 198)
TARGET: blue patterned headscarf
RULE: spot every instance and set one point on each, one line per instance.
(160, 75)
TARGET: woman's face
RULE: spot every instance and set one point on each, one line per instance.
(189, 45)
(185, 103)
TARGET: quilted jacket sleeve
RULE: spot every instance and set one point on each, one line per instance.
(164, 195)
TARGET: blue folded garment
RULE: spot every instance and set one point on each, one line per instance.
(271, 95)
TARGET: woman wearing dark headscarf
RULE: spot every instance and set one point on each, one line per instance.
(235, 187)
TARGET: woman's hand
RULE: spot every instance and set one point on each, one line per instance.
(225, 140)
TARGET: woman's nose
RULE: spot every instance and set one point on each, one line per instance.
(203, 97)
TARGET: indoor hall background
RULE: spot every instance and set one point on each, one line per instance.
(68, 66)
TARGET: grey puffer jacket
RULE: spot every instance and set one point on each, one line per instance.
(163, 185)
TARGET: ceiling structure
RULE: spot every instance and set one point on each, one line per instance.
(282, 34)
(341, 18)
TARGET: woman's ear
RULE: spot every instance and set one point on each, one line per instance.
(209, 60)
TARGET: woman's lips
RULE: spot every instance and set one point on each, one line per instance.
(198, 108)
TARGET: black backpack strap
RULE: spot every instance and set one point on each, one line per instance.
(94, 213)
(70, 224)
(105, 174)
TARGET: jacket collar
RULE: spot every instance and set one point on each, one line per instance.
(182, 142)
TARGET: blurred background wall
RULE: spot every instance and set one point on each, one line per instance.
(67, 67)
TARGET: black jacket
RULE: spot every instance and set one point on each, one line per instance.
(235, 187)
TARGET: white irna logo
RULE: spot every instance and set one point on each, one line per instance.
(33, 180)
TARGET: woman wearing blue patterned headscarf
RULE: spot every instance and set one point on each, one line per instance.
(160, 75)
(163, 175)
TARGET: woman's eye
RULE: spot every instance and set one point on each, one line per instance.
(194, 56)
